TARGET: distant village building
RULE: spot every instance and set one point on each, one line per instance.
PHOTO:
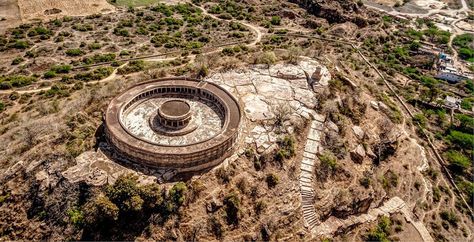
(447, 71)
(452, 102)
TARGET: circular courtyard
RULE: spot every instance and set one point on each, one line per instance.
(178, 123)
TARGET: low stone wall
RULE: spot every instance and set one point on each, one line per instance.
(185, 158)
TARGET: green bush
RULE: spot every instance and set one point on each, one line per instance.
(164, 9)
(267, 58)
(464, 43)
(461, 139)
(94, 46)
(449, 216)
(232, 208)
(133, 66)
(8, 82)
(228, 51)
(83, 27)
(260, 206)
(96, 74)
(21, 44)
(420, 119)
(389, 180)
(121, 32)
(76, 217)
(381, 232)
(2, 107)
(466, 104)
(458, 161)
(328, 161)
(61, 68)
(287, 148)
(74, 52)
(276, 20)
(57, 90)
(39, 31)
(17, 60)
(100, 210)
(125, 194)
(49, 74)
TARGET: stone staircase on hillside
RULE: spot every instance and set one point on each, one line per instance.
(312, 147)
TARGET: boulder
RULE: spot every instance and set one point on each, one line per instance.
(288, 14)
(358, 154)
(370, 153)
(374, 105)
(358, 132)
(213, 205)
(332, 126)
(383, 107)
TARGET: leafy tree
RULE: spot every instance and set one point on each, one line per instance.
(151, 195)
(126, 194)
(381, 232)
(177, 194)
(100, 210)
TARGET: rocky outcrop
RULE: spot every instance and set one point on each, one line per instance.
(358, 154)
(355, 201)
(339, 11)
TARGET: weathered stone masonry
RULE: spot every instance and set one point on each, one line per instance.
(185, 158)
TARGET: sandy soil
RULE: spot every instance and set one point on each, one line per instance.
(10, 13)
(425, 4)
(31, 9)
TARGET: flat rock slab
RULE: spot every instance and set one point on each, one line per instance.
(256, 108)
(96, 169)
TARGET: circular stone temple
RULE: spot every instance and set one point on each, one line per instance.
(176, 123)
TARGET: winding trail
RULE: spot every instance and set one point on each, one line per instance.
(311, 219)
(109, 78)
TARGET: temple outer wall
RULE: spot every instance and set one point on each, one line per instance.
(203, 155)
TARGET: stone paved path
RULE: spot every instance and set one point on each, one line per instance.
(332, 224)
(313, 145)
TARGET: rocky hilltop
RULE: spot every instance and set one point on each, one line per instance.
(339, 11)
